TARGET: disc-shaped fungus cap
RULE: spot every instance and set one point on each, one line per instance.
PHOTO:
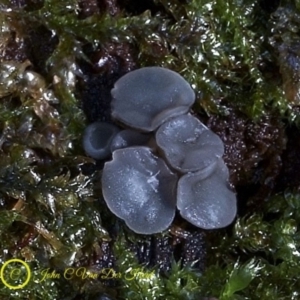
(187, 144)
(139, 188)
(205, 199)
(147, 97)
(97, 139)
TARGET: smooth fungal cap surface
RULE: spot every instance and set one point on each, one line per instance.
(187, 144)
(207, 202)
(128, 138)
(97, 139)
(147, 97)
(139, 188)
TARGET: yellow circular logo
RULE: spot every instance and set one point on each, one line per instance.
(19, 286)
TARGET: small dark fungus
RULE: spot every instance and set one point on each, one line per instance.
(97, 139)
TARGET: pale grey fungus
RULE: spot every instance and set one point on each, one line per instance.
(139, 188)
(205, 199)
(187, 144)
(97, 139)
(127, 138)
(145, 98)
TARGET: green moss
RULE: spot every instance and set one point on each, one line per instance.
(139, 282)
(50, 215)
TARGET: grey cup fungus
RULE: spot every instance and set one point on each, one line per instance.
(204, 198)
(139, 188)
(188, 145)
(127, 138)
(97, 139)
(142, 188)
(147, 97)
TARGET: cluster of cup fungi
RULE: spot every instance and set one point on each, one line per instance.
(164, 158)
